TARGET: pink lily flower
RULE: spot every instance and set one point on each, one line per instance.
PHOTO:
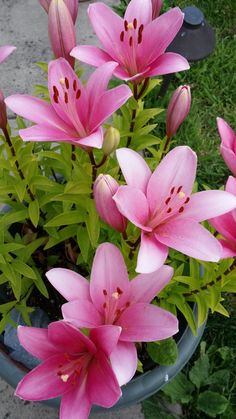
(5, 51)
(161, 205)
(61, 30)
(156, 8)
(137, 43)
(74, 366)
(228, 144)
(110, 298)
(76, 113)
(226, 225)
(72, 6)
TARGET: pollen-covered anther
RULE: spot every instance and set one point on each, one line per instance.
(119, 291)
(64, 377)
(62, 82)
(115, 295)
(126, 25)
(181, 194)
(130, 25)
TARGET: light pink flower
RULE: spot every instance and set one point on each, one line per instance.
(228, 144)
(156, 8)
(110, 298)
(178, 109)
(105, 187)
(76, 113)
(137, 43)
(72, 6)
(74, 366)
(226, 225)
(61, 30)
(5, 51)
(162, 206)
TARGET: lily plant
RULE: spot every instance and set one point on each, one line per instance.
(105, 226)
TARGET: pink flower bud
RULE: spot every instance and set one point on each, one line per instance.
(72, 6)
(178, 109)
(105, 188)
(3, 112)
(61, 30)
(228, 144)
(156, 7)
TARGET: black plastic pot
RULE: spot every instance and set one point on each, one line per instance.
(137, 389)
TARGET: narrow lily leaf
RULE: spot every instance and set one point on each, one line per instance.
(83, 242)
(63, 234)
(68, 217)
(23, 269)
(34, 212)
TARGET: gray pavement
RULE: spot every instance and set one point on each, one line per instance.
(23, 23)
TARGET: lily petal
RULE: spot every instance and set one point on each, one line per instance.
(140, 10)
(152, 254)
(93, 140)
(159, 34)
(146, 323)
(227, 135)
(132, 203)
(168, 63)
(228, 249)
(31, 337)
(107, 26)
(134, 168)
(102, 385)
(124, 361)
(98, 82)
(43, 382)
(81, 313)
(66, 336)
(209, 204)
(35, 110)
(145, 287)
(105, 338)
(46, 133)
(229, 157)
(69, 284)
(91, 55)
(5, 51)
(190, 238)
(105, 280)
(171, 172)
(75, 403)
(109, 102)
(225, 225)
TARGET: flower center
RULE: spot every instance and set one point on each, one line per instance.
(112, 307)
(73, 366)
(132, 33)
(171, 206)
(66, 95)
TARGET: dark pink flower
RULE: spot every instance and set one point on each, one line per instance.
(178, 109)
(110, 298)
(228, 144)
(74, 366)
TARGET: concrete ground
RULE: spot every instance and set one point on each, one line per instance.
(23, 23)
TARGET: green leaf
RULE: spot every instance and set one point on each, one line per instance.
(63, 234)
(154, 408)
(20, 122)
(83, 242)
(184, 307)
(144, 116)
(180, 389)
(23, 269)
(164, 352)
(14, 216)
(10, 247)
(34, 212)
(200, 371)
(38, 281)
(66, 218)
(13, 277)
(212, 403)
(201, 300)
(220, 377)
(20, 189)
(92, 223)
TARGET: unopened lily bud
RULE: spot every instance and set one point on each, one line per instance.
(3, 112)
(61, 30)
(72, 6)
(156, 8)
(111, 140)
(105, 188)
(178, 109)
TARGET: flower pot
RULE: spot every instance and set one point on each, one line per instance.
(137, 389)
